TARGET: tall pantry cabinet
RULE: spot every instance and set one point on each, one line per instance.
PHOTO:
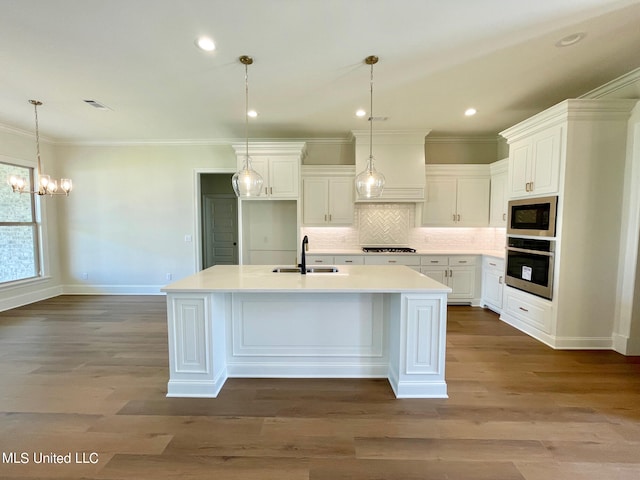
(575, 150)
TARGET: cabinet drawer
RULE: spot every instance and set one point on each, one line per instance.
(462, 260)
(531, 310)
(494, 263)
(434, 260)
(391, 260)
(319, 259)
(348, 260)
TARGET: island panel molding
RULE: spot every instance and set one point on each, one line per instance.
(363, 322)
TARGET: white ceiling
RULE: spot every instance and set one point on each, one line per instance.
(436, 59)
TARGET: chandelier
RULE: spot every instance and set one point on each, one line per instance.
(247, 182)
(46, 186)
(370, 182)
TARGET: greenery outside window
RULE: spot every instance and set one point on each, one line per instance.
(19, 242)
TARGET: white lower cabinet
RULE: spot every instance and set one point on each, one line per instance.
(412, 261)
(492, 283)
(532, 311)
(319, 259)
(459, 272)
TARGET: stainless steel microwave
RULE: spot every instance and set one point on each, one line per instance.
(533, 216)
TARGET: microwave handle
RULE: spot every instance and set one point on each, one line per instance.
(535, 252)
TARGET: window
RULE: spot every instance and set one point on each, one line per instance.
(19, 257)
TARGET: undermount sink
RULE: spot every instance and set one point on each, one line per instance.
(309, 270)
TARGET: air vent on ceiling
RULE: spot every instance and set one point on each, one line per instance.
(97, 105)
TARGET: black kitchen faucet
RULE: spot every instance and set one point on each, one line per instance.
(303, 258)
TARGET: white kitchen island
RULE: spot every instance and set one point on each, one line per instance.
(364, 321)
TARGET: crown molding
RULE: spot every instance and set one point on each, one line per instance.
(614, 85)
(24, 133)
(458, 140)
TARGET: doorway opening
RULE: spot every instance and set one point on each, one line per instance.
(219, 220)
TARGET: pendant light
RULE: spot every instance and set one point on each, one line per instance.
(46, 186)
(370, 182)
(247, 182)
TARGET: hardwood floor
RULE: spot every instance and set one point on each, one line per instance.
(87, 375)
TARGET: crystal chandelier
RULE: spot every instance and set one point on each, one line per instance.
(370, 182)
(46, 186)
(247, 182)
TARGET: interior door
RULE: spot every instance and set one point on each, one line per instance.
(220, 230)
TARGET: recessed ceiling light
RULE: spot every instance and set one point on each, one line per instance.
(252, 113)
(206, 44)
(470, 112)
(360, 113)
(570, 39)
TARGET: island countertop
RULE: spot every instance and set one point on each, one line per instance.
(349, 278)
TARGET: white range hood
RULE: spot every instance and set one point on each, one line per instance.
(399, 156)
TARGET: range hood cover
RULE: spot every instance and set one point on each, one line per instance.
(399, 155)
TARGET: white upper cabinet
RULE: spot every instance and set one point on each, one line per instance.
(499, 201)
(535, 164)
(327, 195)
(456, 196)
(279, 165)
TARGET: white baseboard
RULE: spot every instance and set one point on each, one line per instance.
(21, 299)
(560, 343)
(112, 289)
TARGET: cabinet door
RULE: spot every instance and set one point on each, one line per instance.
(492, 282)
(462, 281)
(520, 156)
(472, 202)
(439, 274)
(545, 172)
(283, 177)
(341, 193)
(314, 201)
(440, 202)
(261, 166)
(498, 202)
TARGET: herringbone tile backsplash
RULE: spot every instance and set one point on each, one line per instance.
(393, 224)
(384, 224)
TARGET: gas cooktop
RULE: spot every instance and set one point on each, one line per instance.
(389, 249)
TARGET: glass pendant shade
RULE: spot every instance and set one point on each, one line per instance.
(247, 182)
(369, 182)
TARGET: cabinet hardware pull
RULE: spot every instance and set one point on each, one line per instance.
(526, 186)
(462, 261)
(454, 217)
(492, 264)
(391, 261)
(348, 261)
(532, 187)
(523, 309)
(319, 261)
(435, 261)
(329, 217)
(451, 273)
(325, 217)
(446, 273)
(458, 217)
(500, 280)
(504, 217)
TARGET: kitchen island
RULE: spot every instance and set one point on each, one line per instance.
(363, 321)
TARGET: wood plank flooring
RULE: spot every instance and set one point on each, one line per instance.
(86, 375)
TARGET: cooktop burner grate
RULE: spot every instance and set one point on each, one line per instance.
(388, 249)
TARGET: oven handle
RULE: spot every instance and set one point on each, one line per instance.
(534, 252)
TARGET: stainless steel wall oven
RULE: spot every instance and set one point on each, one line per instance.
(529, 265)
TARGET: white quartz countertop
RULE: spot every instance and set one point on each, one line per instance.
(349, 279)
(490, 253)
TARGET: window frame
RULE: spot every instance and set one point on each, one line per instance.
(35, 223)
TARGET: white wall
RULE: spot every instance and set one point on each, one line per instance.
(626, 334)
(125, 223)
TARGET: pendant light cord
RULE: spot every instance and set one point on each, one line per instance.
(35, 109)
(246, 115)
(371, 120)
